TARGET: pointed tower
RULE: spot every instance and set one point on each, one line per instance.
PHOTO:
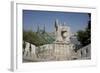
(44, 29)
(56, 24)
(38, 29)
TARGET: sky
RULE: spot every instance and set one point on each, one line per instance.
(32, 19)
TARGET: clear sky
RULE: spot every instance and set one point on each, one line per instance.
(32, 19)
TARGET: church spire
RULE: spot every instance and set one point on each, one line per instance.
(38, 29)
(56, 24)
(44, 29)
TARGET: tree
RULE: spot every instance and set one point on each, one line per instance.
(85, 36)
(82, 36)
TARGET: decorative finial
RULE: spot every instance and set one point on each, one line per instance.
(56, 22)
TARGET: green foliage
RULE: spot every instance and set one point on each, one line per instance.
(85, 36)
(36, 38)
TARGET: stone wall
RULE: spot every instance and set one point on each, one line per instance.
(55, 51)
(29, 52)
(85, 52)
(48, 52)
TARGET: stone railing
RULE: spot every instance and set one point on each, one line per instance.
(85, 52)
(55, 51)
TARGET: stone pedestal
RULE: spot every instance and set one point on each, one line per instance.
(62, 51)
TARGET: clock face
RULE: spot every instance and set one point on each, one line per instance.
(64, 34)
